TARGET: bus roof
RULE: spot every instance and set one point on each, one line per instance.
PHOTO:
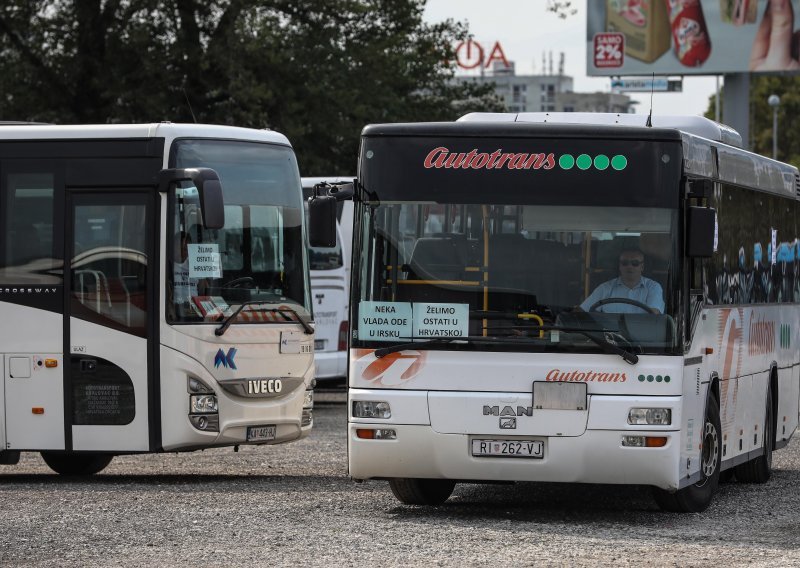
(512, 129)
(167, 130)
(710, 150)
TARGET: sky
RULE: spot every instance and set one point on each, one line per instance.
(526, 30)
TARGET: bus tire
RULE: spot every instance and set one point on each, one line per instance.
(76, 464)
(759, 470)
(697, 497)
(422, 491)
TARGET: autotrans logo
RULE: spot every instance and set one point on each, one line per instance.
(443, 158)
(225, 359)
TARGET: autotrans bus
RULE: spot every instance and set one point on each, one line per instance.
(153, 292)
(330, 289)
(474, 355)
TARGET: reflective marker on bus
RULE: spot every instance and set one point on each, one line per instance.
(153, 292)
(573, 298)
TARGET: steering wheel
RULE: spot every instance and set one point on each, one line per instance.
(243, 282)
(598, 303)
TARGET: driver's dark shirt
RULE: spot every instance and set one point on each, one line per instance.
(647, 291)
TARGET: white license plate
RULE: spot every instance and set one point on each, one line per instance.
(319, 344)
(261, 433)
(508, 448)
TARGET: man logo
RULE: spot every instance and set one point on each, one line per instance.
(508, 423)
(226, 360)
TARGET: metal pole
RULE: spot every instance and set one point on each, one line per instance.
(716, 102)
(774, 101)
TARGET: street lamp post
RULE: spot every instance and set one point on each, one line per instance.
(774, 101)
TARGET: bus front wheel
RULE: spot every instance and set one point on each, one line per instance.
(76, 464)
(422, 491)
(697, 497)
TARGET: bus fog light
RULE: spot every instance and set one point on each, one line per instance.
(650, 416)
(203, 404)
(633, 441)
(371, 409)
(308, 399)
(205, 422)
(376, 434)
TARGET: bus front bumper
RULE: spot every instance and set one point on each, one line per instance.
(596, 456)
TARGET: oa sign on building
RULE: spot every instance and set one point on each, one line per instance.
(472, 55)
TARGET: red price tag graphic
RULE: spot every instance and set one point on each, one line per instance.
(609, 50)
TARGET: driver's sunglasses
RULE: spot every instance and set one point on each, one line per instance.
(635, 263)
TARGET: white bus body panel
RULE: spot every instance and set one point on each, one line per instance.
(197, 347)
(452, 390)
(43, 388)
(127, 352)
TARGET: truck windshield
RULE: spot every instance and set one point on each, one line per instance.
(259, 254)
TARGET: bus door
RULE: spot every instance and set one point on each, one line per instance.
(109, 314)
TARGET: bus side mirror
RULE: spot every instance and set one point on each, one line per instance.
(209, 189)
(700, 232)
(322, 221)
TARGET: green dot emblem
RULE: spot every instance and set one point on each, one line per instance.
(666, 379)
(658, 378)
(566, 161)
(619, 162)
(650, 378)
(584, 161)
(641, 378)
(601, 162)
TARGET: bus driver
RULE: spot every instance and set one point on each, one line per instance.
(630, 285)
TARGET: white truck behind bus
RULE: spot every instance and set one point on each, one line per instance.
(330, 290)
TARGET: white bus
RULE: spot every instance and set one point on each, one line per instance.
(498, 333)
(153, 292)
(330, 289)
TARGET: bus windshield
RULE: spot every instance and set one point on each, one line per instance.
(543, 273)
(258, 255)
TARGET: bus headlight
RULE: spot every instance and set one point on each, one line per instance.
(371, 409)
(203, 404)
(650, 416)
(308, 399)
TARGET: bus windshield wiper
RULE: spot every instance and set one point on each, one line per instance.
(430, 341)
(601, 342)
(229, 320)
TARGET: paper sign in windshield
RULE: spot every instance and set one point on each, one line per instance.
(441, 320)
(384, 321)
(204, 261)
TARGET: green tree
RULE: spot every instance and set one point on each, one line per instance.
(788, 89)
(316, 70)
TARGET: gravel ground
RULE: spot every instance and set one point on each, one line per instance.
(294, 505)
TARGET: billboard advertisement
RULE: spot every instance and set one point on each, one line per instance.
(681, 37)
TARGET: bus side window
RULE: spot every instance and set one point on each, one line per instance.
(28, 229)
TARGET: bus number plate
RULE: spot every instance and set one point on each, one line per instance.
(261, 433)
(508, 448)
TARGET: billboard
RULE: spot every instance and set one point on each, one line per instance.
(681, 37)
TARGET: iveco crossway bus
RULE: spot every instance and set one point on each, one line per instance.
(595, 302)
(153, 292)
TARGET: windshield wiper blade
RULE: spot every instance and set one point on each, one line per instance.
(468, 339)
(604, 344)
(601, 342)
(229, 320)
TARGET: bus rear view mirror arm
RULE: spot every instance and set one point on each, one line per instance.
(209, 189)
